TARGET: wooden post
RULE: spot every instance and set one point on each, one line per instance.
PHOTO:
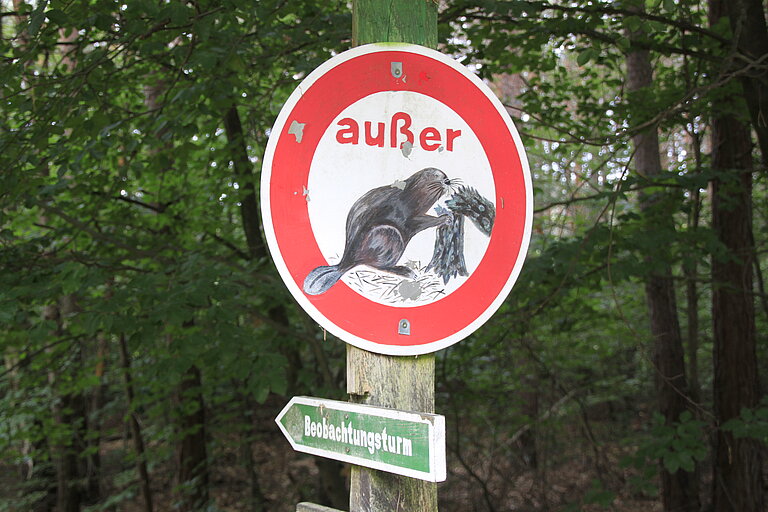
(390, 381)
(399, 21)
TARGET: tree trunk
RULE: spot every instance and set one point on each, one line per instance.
(257, 502)
(68, 412)
(73, 463)
(737, 479)
(690, 269)
(529, 407)
(249, 207)
(748, 25)
(738, 465)
(692, 299)
(37, 475)
(679, 490)
(331, 483)
(136, 435)
(193, 454)
(91, 464)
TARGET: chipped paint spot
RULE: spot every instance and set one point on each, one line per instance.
(413, 265)
(440, 149)
(409, 289)
(406, 147)
(399, 184)
(297, 129)
(305, 193)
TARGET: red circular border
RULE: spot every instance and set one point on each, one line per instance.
(318, 106)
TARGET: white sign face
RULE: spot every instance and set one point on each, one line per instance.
(396, 199)
(336, 183)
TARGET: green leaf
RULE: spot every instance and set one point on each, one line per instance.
(58, 17)
(672, 463)
(633, 23)
(37, 18)
(585, 56)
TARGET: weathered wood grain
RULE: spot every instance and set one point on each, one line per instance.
(399, 382)
(400, 21)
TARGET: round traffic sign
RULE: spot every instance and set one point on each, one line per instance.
(396, 198)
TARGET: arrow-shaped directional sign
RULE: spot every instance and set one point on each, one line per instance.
(401, 442)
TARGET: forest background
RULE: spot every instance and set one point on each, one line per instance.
(148, 343)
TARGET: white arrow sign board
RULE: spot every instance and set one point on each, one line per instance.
(401, 442)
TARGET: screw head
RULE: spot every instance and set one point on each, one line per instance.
(404, 327)
(396, 68)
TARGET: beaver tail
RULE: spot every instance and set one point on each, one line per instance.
(321, 279)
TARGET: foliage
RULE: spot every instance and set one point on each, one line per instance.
(125, 190)
(678, 445)
(121, 210)
(751, 423)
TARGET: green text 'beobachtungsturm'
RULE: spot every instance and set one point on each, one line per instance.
(347, 434)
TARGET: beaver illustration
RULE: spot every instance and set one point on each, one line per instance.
(381, 223)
